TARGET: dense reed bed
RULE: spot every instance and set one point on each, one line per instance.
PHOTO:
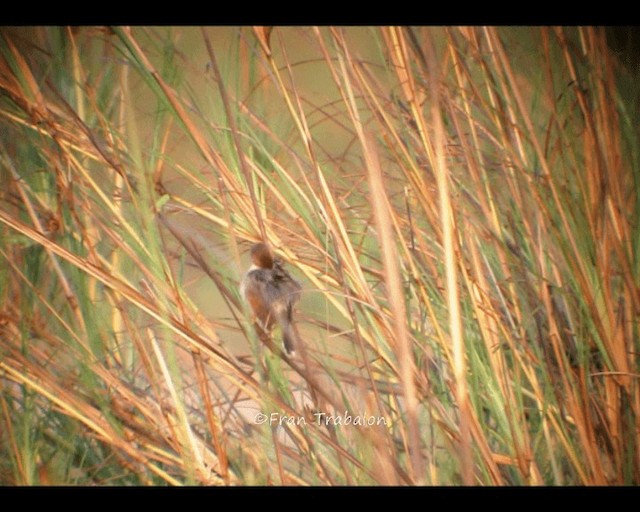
(460, 205)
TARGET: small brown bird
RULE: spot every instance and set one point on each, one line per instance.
(272, 294)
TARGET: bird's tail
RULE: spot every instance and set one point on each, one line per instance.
(290, 338)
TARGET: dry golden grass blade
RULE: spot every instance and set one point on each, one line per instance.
(215, 427)
(186, 437)
(449, 243)
(24, 75)
(263, 34)
(393, 283)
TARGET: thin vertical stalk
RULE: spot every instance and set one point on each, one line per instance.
(396, 299)
(450, 260)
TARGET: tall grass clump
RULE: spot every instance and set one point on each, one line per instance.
(460, 205)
